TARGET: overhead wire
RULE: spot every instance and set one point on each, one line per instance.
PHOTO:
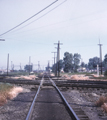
(61, 21)
(43, 15)
(29, 18)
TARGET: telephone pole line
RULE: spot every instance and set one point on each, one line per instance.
(58, 57)
(100, 62)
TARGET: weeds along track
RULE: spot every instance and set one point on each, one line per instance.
(50, 104)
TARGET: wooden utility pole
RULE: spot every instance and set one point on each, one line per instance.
(7, 63)
(100, 57)
(58, 57)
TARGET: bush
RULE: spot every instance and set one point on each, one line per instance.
(4, 92)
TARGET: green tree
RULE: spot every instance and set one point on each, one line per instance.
(68, 61)
(93, 62)
(82, 64)
(76, 61)
(60, 66)
(105, 59)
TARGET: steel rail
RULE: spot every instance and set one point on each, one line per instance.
(29, 115)
(75, 117)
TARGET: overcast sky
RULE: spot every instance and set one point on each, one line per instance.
(78, 24)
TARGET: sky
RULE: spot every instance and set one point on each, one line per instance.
(78, 24)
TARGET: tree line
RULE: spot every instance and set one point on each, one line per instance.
(71, 63)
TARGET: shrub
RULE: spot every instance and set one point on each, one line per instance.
(4, 92)
(101, 101)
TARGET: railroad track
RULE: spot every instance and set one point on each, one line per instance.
(50, 104)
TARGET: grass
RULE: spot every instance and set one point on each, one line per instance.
(4, 92)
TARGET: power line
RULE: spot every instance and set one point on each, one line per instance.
(29, 18)
(43, 16)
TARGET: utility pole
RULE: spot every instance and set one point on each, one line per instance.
(55, 71)
(100, 63)
(7, 63)
(58, 57)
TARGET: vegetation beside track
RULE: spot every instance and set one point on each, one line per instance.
(5, 88)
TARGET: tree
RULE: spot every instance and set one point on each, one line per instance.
(105, 59)
(93, 62)
(76, 61)
(71, 62)
(82, 64)
(86, 66)
(68, 61)
(60, 64)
